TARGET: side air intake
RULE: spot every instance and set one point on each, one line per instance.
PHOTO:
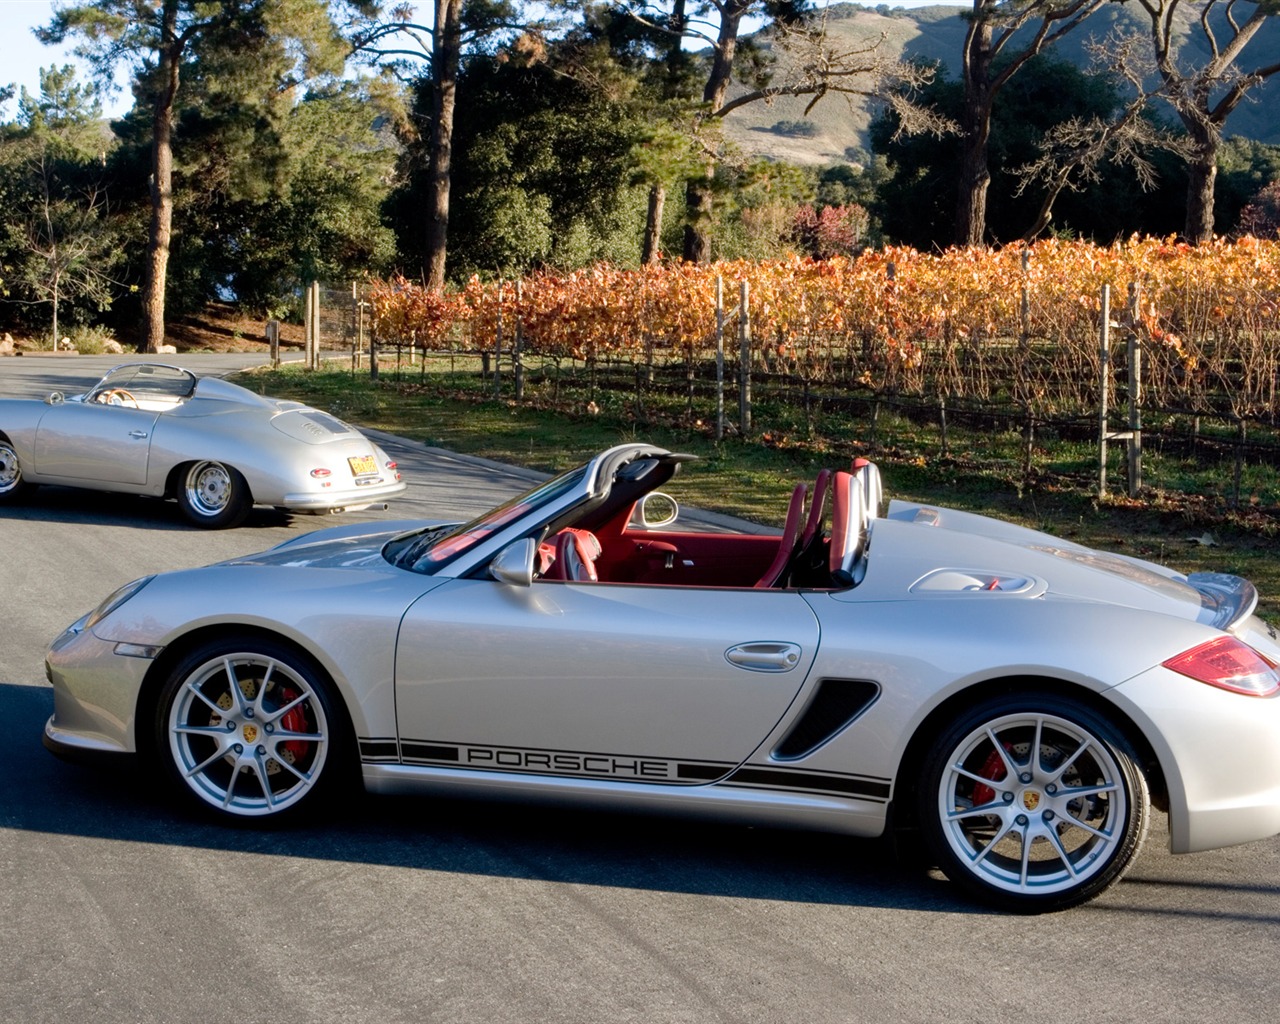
(835, 704)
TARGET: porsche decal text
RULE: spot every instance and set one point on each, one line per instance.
(545, 762)
(585, 764)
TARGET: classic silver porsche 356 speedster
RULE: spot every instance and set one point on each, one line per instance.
(1020, 701)
(152, 429)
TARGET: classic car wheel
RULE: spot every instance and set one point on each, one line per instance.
(1033, 803)
(12, 486)
(248, 728)
(213, 495)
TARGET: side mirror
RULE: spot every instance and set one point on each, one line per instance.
(656, 509)
(514, 563)
(55, 398)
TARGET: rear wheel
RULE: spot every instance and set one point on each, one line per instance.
(213, 495)
(248, 727)
(12, 486)
(1033, 802)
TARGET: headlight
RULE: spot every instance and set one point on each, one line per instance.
(115, 600)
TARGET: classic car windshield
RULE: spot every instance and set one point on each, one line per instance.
(149, 379)
(427, 550)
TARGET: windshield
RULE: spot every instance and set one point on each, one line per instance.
(428, 550)
(149, 379)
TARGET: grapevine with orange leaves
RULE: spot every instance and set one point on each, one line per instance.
(972, 324)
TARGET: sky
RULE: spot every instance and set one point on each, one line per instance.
(22, 55)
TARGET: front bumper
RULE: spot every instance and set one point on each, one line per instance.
(95, 696)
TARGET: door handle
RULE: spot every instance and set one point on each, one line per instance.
(137, 433)
(764, 656)
(657, 550)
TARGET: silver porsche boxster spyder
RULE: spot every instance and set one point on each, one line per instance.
(219, 449)
(1018, 702)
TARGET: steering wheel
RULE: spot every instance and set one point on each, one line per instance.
(117, 396)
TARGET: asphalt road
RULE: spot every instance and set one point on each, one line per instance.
(117, 906)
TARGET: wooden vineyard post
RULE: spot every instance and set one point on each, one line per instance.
(719, 358)
(273, 341)
(497, 347)
(311, 326)
(744, 359)
(1133, 436)
(1134, 439)
(517, 357)
(1024, 358)
(1104, 339)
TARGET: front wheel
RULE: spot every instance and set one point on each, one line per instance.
(1033, 803)
(12, 486)
(248, 728)
(213, 496)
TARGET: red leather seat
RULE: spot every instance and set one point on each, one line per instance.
(872, 486)
(576, 552)
(848, 529)
(817, 509)
(773, 576)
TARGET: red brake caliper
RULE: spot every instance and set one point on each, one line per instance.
(993, 769)
(295, 720)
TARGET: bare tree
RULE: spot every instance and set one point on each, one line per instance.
(1205, 96)
(1074, 152)
(809, 64)
(1003, 36)
(68, 249)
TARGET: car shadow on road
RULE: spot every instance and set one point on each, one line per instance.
(575, 846)
(51, 504)
(509, 840)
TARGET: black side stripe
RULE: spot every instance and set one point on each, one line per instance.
(379, 749)
(701, 772)
(425, 753)
(429, 752)
(781, 778)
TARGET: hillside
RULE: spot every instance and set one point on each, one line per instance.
(837, 129)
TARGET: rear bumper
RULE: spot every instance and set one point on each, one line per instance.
(1219, 753)
(313, 501)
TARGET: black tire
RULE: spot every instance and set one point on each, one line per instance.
(12, 487)
(213, 495)
(1033, 833)
(264, 749)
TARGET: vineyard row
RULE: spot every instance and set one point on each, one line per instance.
(1015, 326)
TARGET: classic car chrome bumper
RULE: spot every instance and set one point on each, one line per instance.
(346, 498)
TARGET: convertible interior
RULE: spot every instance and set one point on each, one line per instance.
(822, 546)
(146, 386)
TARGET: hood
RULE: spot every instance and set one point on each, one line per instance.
(925, 552)
(355, 545)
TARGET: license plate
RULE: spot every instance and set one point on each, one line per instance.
(362, 465)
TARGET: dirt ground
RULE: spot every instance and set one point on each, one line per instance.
(219, 328)
(222, 328)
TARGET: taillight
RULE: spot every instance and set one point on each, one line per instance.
(1230, 664)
